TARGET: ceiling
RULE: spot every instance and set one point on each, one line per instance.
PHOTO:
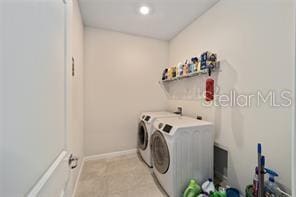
(167, 17)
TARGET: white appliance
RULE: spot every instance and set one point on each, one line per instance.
(145, 129)
(182, 149)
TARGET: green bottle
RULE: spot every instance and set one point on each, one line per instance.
(218, 194)
(193, 189)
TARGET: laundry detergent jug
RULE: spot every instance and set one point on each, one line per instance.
(192, 190)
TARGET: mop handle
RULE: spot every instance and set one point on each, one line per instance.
(259, 151)
(262, 176)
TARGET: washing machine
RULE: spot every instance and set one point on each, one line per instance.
(181, 149)
(145, 129)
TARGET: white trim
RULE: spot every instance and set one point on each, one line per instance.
(46, 176)
(110, 155)
(78, 177)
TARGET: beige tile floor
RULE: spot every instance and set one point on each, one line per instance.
(124, 176)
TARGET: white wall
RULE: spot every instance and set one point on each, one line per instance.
(255, 43)
(76, 134)
(120, 81)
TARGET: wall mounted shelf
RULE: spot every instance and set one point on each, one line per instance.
(202, 72)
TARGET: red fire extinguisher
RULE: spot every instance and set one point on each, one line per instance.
(210, 87)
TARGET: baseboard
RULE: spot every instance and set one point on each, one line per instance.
(78, 177)
(110, 155)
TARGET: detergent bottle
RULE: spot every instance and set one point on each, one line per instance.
(195, 62)
(192, 190)
(180, 70)
(220, 193)
(208, 187)
(271, 188)
(186, 68)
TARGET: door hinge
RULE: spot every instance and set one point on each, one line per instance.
(73, 67)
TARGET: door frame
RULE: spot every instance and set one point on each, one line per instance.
(294, 113)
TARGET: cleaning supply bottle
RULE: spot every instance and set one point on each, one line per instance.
(164, 74)
(174, 68)
(208, 187)
(192, 190)
(186, 68)
(170, 73)
(271, 188)
(180, 70)
(209, 87)
(195, 62)
(218, 194)
(255, 183)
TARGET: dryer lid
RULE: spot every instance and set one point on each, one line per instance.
(153, 115)
(181, 122)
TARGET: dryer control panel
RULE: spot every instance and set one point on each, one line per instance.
(167, 128)
(147, 118)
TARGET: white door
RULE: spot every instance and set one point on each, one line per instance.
(34, 154)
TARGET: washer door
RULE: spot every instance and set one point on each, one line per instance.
(160, 152)
(142, 136)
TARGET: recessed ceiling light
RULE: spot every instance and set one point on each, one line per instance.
(144, 10)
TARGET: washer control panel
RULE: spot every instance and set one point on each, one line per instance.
(167, 128)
